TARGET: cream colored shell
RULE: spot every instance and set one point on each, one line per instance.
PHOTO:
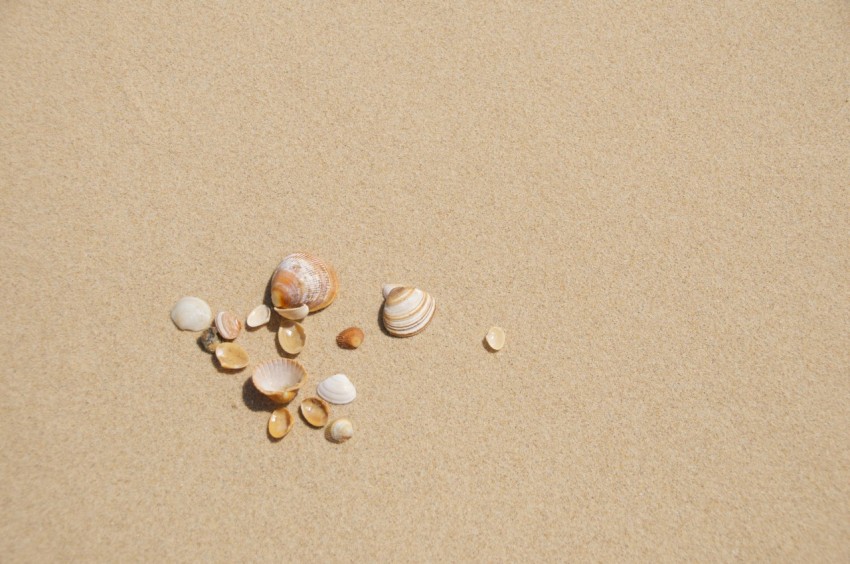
(340, 430)
(280, 423)
(301, 279)
(191, 314)
(259, 316)
(231, 356)
(407, 311)
(291, 336)
(279, 379)
(495, 338)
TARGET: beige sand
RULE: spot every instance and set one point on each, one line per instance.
(652, 200)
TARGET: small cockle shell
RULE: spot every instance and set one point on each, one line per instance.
(279, 379)
(191, 314)
(301, 279)
(209, 340)
(350, 338)
(231, 356)
(228, 324)
(259, 316)
(280, 423)
(291, 337)
(315, 411)
(340, 430)
(337, 389)
(293, 313)
(407, 311)
(495, 338)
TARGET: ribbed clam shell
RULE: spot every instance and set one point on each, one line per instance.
(407, 311)
(302, 278)
(337, 389)
(228, 325)
(279, 379)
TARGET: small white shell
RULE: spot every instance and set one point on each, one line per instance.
(279, 379)
(191, 314)
(495, 338)
(407, 311)
(293, 313)
(340, 430)
(228, 325)
(259, 316)
(337, 389)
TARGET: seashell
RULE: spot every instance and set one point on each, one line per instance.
(259, 316)
(231, 356)
(350, 338)
(495, 338)
(337, 389)
(191, 314)
(301, 279)
(209, 340)
(279, 379)
(387, 288)
(229, 326)
(407, 311)
(280, 423)
(293, 313)
(340, 430)
(315, 411)
(291, 336)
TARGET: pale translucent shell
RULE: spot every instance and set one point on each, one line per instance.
(279, 379)
(291, 336)
(259, 316)
(293, 313)
(407, 311)
(340, 430)
(280, 423)
(337, 389)
(301, 279)
(495, 338)
(315, 411)
(231, 356)
(228, 325)
(191, 314)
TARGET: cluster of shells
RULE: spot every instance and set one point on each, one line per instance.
(303, 284)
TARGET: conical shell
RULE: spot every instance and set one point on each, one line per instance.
(350, 338)
(291, 336)
(228, 325)
(337, 389)
(280, 423)
(340, 430)
(302, 278)
(293, 313)
(191, 314)
(315, 411)
(259, 316)
(231, 356)
(407, 311)
(279, 379)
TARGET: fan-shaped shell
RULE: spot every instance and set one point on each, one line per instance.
(407, 311)
(301, 279)
(279, 379)
(337, 389)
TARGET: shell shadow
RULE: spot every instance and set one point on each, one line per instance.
(254, 400)
(487, 346)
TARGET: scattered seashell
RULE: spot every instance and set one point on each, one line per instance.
(228, 324)
(301, 279)
(407, 311)
(350, 338)
(337, 389)
(340, 430)
(191, 314)
(280, 423)
(279, 379)
(293, 313)
(315, 411)
(291, 336)
(259, 316)
(387, 288)
(209, 340)
(495, 338)
(231, 356)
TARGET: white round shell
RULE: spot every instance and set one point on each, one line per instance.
(337, 389)
(191, 314)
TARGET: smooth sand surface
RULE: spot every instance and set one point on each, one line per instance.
(651, 199)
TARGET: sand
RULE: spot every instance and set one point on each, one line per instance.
(651, 199)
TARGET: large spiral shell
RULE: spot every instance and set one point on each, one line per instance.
(407, 311)
(302, 279)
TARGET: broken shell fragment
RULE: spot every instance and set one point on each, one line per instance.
(337, 389)
(350, 338)
(340, 430)
(302, 279)
(228, 324)
(293, 313)
(407, 311)
(280, 423)
(291, 336)
(279, 379)
(259, 316)
(191, 314)
(315, 411)
(209, 340)
(231, 356)
(495, 338)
